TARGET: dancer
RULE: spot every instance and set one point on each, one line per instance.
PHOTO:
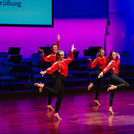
(115, 81)
(50, 58)
(61, 66)
(102, 61)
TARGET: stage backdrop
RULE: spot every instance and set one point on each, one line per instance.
(121, 30)
(81, 22)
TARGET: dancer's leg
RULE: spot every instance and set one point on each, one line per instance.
(50, 84)
(111, 102)
(117, 82)
(99, 86)
(60, 87)
(97, 72)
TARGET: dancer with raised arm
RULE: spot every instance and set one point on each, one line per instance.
(115, 81)
(61, 66)
(102, 61)
(50, 58)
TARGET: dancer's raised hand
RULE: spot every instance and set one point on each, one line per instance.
(72, 49)
(41, 50)
(118, 55)
(58, 37)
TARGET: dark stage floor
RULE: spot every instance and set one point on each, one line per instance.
(29, 115)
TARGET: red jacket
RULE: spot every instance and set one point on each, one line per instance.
(114, 65)
(102, 63)
(61, 66)
(50, 58)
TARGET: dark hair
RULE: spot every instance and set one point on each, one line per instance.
(110, 54)
(98, 54)
(58, 53)
(51, 48)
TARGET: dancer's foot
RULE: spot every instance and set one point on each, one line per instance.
(90, 86)
(56, 115)
(40, 89)
(97, 102)
(50, 107)
(111, 111)
(112, 87)
(40, 85)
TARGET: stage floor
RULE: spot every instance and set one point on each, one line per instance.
(29, 115)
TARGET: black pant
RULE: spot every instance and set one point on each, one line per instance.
(51, 84)
(117, 81)
(99, 83)
(58, 90)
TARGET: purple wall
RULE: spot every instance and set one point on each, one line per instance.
(116, 42)
(121, 14)
(82, 32)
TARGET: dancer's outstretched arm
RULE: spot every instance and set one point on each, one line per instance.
(93, 64)
(70, 56)
(109, 66)
(51, 69)
(57, 43)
